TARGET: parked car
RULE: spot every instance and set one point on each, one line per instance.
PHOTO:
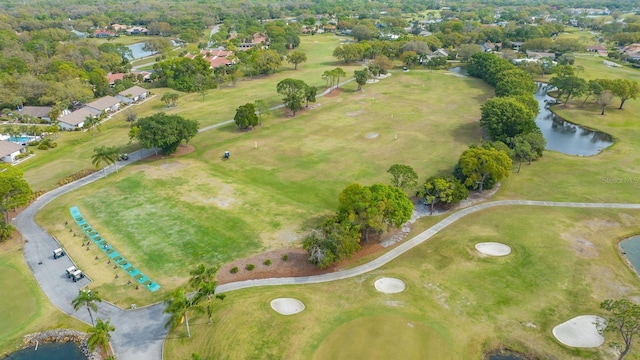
(58, 253)
(70, 271)
(77, 275)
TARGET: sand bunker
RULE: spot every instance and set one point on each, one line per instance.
(287, 306)
(371, 135)
(389, 285)
(580, 332)
(493, 249)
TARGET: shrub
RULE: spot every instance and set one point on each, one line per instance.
(267, 262)
(234, 270)
(285, 257)
(43, 147)
(75, 176)
(250, 267)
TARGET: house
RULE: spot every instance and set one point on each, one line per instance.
(40, 112)
(632, 51)
(440, 52)
(10, 150)
(137, 30)
(539, 55)
(107, 104)
(76, 119)
(111, 78)
(215, 57)
(516, 45)
(256, 40)
(135, 93)
(118, 27)
(103, 33)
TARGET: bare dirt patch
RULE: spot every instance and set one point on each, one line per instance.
(334, 92)
(182, 150)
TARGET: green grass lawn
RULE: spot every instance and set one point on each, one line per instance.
(168, 215)
(564, 262)
(23, 306)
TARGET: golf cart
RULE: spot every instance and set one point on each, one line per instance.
(70, 271)
(123, 157)
(58, 253)
(76, 275)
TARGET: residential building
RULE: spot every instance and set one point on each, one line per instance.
(76, 119)
(40, 112)
(10, 150)
(107, 104)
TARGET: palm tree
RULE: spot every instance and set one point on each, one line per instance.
(89, 299)
(93, 123)
(178, 306)
(100, 334)
(115, 153)
(202, 279)
(102, 155)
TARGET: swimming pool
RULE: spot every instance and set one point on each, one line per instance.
(22, 139)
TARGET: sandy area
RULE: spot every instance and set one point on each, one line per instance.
(389, 285)
(581, 332)
(287, 306)
(493, 249)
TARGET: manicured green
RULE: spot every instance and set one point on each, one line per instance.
(384, 337)
(564, 263)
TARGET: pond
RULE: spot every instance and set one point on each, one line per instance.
(505, 355)
(138, 51)
(563, 136)
(55, 351)
(631, 250)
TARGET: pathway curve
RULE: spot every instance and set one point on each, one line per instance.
(140, 333)
(410, 244)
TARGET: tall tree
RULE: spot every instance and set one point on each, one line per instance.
(442, 189)
(624, 319)
(506, 117)
(294, 92)
(403, 176)
(296, 57)
(515, 82)
(567, 83)
(593, 89)
(374, 208)
(100, 335)
(89, 299)
(246, 116)
(165, 131)
(604, 99)
(479, 164)
(103, 157)
(361, 77)
(332, 242)
(310, 93)
(262, 108)
(348, 52)
(625, 89)
(203, 280)
(178, 307)
(14, 190)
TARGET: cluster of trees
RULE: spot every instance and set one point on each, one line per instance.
(362, 211)
(14, 193)
(509, 118)
(163, 131)
(179, 305)
(603, 91)
(295, 93)
(185, 74)
(100, 331)
(104, 156)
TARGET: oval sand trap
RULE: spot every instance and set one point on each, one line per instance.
(580, 332)
(493, 248)
(287, 306)
(389, 285)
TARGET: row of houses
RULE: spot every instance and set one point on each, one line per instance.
(107, 104)
(10, 151)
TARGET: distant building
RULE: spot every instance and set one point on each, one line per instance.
(76, 119)
(10, 150)
(40, 112)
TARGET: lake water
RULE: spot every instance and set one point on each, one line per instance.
(631, 250)
(565, 137)
(57, 351)
(138, 51)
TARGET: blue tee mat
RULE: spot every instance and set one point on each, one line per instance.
(116, 257)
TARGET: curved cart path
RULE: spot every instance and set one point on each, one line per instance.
(410, 244)
(140, 333)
